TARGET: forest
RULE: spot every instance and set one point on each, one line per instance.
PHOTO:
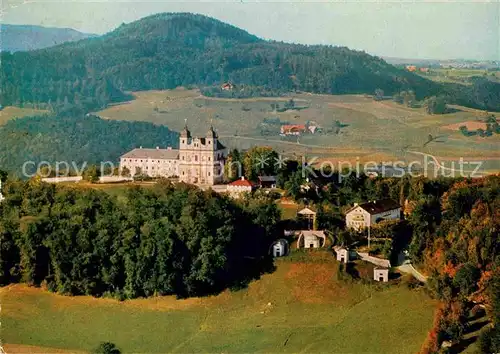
(169, 50)
(166, 240)
(75, 138)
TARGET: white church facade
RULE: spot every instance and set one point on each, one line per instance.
(199, 160)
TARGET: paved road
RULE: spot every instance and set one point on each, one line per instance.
(409, 269)
(444, 168)
(405, 266)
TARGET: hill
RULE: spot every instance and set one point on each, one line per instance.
(15, 38)
(177, 49)
(79, 139)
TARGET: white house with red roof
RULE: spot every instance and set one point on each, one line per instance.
(237, 188)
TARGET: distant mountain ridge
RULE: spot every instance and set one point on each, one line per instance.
(168, 50)
(15, 38)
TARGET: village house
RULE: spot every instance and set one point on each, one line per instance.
(199, 160)
(239, 187)
(292, 129)
(227, 86)
(311, 239)
(367, 214)
(307, 218)
(411, 68)
(267, 181)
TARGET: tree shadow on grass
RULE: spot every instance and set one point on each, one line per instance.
(476, 326)
(462, 345)
(352, 271)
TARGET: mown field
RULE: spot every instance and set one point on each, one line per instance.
(301, 307)
(461, 76)
(372, 131)
(8, 113)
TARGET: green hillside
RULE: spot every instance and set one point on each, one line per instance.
(76, 138)
(300, 307)
(169, 50)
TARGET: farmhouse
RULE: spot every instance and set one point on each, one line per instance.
(279, 248)
(292, 129)
(370, 213)
(197, 161)
(237, 188)
(311, 239)
(227, 86)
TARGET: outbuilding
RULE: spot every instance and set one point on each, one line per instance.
(280, 248)
(381, 274)
(267, 181)
(307, 218)
(311, 239)
(342, 254)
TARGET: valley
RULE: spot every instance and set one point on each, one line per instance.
(372, 130)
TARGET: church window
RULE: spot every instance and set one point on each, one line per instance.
(196, 157)
(183, 157)
(209, 158)
(183, 141)
(209, 173)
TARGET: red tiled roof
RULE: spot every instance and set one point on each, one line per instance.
(241, 182)
(293, 126)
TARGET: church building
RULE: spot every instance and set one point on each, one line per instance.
(199, 160)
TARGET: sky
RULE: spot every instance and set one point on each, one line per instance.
(416, 29)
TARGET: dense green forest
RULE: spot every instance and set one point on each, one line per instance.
(168, 50)
(167, 240)
(75, 138)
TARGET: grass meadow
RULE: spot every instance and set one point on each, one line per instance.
(10, 112)
(372, 131)
(301, 307)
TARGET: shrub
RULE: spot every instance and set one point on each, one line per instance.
(106, 348)
(411, 282)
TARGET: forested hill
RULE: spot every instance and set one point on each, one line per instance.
(76, 139)
(168, 50)
(16, 38)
